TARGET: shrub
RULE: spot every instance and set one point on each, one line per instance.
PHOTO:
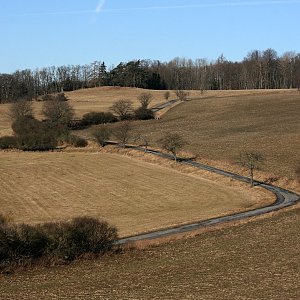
(21, 242)
(69, 240)
(8, 142)
(143, 113)
(96, 118)
(20, 109)
(102, 135)
(88, 235)
(58, 97)
(34, 135)
(77, 141)
(63, 240)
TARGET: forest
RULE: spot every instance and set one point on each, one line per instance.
(258, 70)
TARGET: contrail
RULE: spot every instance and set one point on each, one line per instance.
(99, 7)
(208, 5)
(101, 3)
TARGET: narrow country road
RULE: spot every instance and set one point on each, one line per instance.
(284, 198)
(164, 105)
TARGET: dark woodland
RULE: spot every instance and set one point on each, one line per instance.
(258, 70)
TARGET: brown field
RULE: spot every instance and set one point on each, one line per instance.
(255, 260)
(134, 195)
(101, 99)
(93, 99)
(219, 126)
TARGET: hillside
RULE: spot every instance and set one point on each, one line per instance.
(218, 126)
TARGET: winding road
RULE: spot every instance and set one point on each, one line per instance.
(284, 198)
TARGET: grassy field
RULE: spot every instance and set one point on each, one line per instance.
(134, 195)
(93, 99)
(219, 126)
(256, 260)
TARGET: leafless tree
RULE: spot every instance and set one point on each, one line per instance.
(122, 108)
(167, 95)
(102, 134)
(122, 132)
(182, 95)
(57, 111)
(172, 142)
(251, 161)
(58, 116)
(20, 109)
(143, 140)
(145, 99)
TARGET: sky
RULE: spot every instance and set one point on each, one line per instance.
(41, 33)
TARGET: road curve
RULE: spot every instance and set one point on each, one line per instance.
(284, 198)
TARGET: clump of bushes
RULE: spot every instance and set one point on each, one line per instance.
(64, 241)
(77, 141)
(34, 135)
(96, 118)
(143, 113)
(8, 142)
(58, 97)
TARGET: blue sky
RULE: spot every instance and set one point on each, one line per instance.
(39, 33)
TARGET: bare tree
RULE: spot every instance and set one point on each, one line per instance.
(172, 142)
(145, 99)
(57, 111)
(167, 95)
(251, 161)
(122, 108)
(144, 140)
(20, 109)
(59, 115)
(122, 132)
(182, 95)
(102, 134)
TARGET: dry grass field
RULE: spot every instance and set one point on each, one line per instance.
(134, 195)
(218, 126)
(255, 260)
(101, 99)
(93, 99)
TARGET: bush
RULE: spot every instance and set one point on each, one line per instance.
(96, 118)
(8, 142)
(34, 135)
(102, 135)
(58, 97)
(63, 240)
(77, 141)
(88, 235)
(143, 113)
(21, 242)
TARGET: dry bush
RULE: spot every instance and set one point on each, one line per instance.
(62, 240)
(122, 108)
(102, 135)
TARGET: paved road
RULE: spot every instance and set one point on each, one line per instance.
(162, 106)
(284, 198)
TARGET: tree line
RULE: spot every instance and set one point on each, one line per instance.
(258, 70)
